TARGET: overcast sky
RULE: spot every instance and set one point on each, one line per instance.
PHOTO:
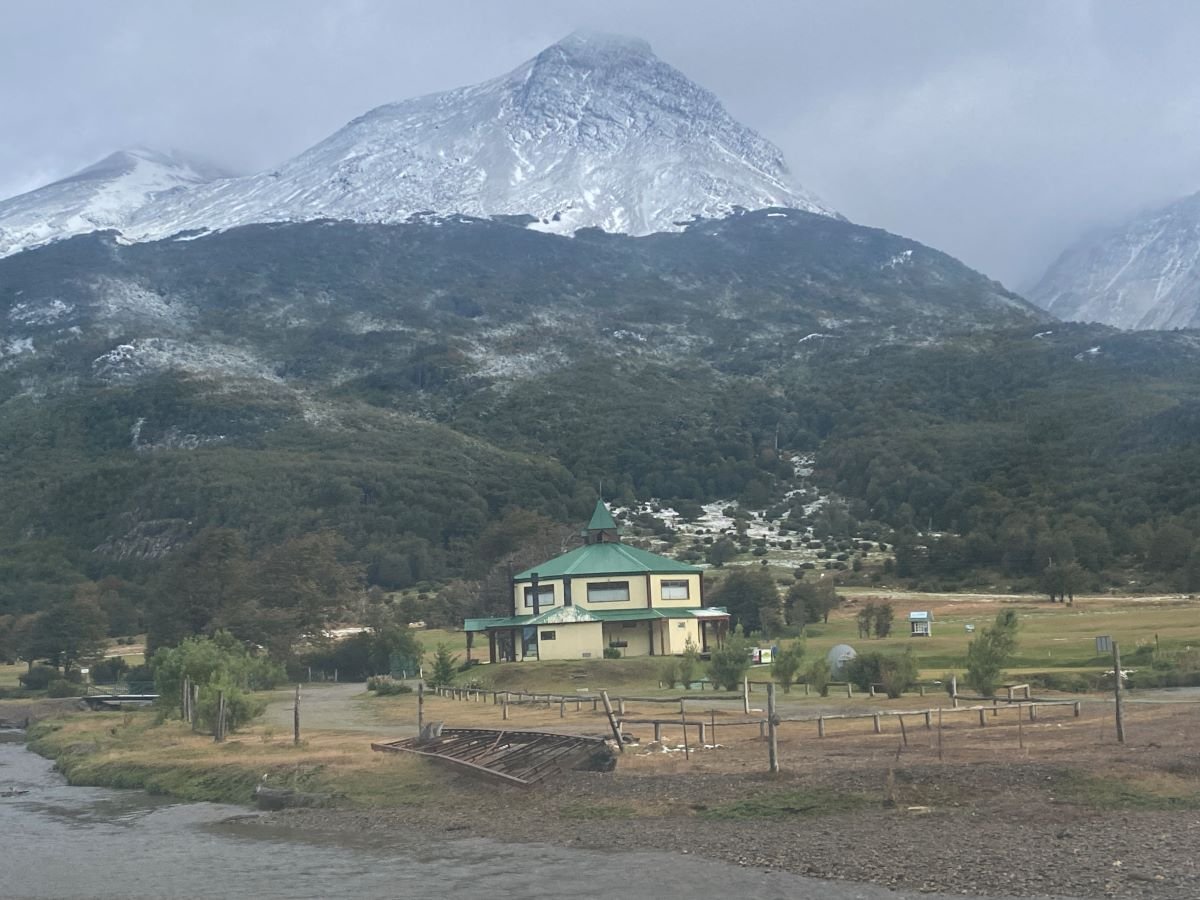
(995, 131)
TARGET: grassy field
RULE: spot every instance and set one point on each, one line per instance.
(134, 750)
(1052, 638)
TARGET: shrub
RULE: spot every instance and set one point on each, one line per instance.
(670, 673)
(818, 677)
(217, 664)
(109, 670)
(989, 652)
(60, 687)
(730, 662)
(38, 678)
(896, 672)
(240, 706)
(443, 666)
(386, 686)
(612, 652)
(689, 664)
(786, 664)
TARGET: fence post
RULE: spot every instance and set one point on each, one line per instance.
(875, 723)
(420, 706)
(954, 691)
(820, 726)
(1117, 691)
(982, 720)
(296, 719)
(849, 691)
(616, 729)
(687, 751)
(772, 730)
(746, 696)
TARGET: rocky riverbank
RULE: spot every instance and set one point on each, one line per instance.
(1058, 810)
(1023, 830)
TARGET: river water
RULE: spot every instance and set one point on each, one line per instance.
(58, 841)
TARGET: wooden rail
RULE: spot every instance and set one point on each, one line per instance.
(516, 757)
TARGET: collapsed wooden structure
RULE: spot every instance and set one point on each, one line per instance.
(516, 757)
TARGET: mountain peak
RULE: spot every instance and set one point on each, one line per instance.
(599, 46)
(595, 131)
(1142, 274)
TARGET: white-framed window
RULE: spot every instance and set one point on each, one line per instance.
(608, 592)
(545, 596)
(674, 590)
(547, 636)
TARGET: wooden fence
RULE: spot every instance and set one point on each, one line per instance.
(706, 729)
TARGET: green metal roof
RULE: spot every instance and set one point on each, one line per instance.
(606, 559)
(602, 519)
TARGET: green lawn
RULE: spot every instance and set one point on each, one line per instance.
(8, 675)
(1052, 638)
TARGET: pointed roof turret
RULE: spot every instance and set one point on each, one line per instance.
(602, 527)
(601, 518)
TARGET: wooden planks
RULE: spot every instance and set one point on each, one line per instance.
(515, 757)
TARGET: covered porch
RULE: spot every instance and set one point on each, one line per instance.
(584, 634)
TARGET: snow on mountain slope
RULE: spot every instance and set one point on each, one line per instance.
(1144, 274)
(104, 195)
(594, 131)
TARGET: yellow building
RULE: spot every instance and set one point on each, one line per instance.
(605, 594)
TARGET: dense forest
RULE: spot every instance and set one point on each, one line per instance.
(439, 397)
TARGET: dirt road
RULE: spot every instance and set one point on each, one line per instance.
(332, 707)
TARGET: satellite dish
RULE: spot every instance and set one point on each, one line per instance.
(837, 658)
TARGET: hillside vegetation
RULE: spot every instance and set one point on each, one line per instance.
(416, 388)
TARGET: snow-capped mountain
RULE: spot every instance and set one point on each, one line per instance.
(1143, 274)
(104, 195)
(594, 131)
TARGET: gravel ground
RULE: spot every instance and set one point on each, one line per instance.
(963, 828)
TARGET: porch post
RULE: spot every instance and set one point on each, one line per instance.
(492, 647)
(470, 643)
(651, 624)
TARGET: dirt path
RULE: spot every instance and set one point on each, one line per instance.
(332, 707)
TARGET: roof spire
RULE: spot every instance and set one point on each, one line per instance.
(602, 527)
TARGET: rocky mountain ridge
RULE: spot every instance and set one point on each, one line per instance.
(595, 131)
(1143, 274)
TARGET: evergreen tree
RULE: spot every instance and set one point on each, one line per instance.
(70, 631)
(989, 652)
